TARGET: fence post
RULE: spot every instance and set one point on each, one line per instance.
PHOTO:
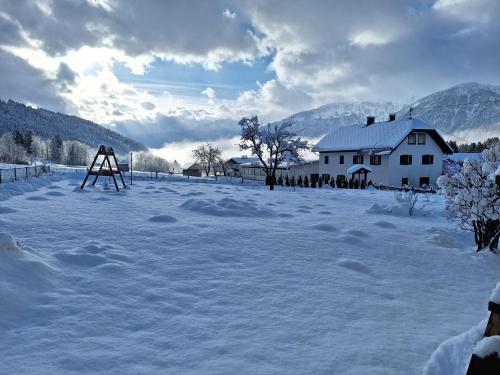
(0, 176)
(27, 173)
(15, 175)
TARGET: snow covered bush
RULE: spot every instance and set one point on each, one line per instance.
(472, 199)
(406, 200)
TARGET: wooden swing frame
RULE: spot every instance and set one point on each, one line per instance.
(105, 169)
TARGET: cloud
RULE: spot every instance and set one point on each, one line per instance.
(228, 14)
(63, 54)
(148, 106)
(272, 101)
(21, 82)
(168, 129)
(209, 92)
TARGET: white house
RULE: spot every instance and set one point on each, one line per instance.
(406, 151)
(235, 163)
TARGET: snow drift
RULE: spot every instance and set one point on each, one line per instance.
(24, 275)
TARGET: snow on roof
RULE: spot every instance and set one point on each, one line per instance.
(380, 135)
(497, 172)
(244, 159)
(357, 167)
(461, 156)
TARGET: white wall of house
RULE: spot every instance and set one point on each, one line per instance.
(390, 171)
(416, 170)
(302, 170)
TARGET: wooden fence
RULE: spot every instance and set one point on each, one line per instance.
(22, 173)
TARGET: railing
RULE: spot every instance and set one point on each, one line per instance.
(22, 173)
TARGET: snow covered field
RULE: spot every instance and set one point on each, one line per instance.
(184, 278)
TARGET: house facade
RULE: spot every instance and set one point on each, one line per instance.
(234, 164)
(400, 152)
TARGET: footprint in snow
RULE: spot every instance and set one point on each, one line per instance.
(325, 227)
(82, 260)
(354, 265)
(37, 198)
(285, 215)
(54, 194)
(384, 224)
(356, 233)
(324, 212)
(162, 219)
(53, 187)
(6, 210)
(303, 210)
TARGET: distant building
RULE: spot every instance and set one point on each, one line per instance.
(194, 171)
(255, 170)
(408, 151)
(234, 164)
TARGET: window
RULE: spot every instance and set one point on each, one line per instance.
(427, 159)
(415, 138)
(424, 181)
(405, 159)
(341, 159)
(327, 159)
(404, 181)
(357, 159)
(375, 159)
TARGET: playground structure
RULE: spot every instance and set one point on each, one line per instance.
(106, 168)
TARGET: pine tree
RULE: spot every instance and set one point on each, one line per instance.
(320, 183)
(280, 181)
(332, 182)
(363, 184)
(313, 183)
(306, 182)
(356, 184)
(299, 181)
(28, 142)
(287, 181)
(18, 138)
(351, 183)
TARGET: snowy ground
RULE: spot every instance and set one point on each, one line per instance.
(184, 278)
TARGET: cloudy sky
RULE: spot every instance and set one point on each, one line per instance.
(173, 73)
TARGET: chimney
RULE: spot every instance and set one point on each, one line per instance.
(392, 116)
(370, 120)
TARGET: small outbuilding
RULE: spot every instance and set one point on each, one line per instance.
(194, 171)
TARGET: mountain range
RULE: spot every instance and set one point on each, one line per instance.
(47, 124)
(450, 110)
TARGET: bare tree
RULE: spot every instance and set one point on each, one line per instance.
(206, 157)
(147, 162)
(272, 144)
(472, 199)
(223, 166)
(10, 150)
(408, 199)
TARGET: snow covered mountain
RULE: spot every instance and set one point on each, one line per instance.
(473, 122)
(316, 122)
(47, 124)
(451, 113)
